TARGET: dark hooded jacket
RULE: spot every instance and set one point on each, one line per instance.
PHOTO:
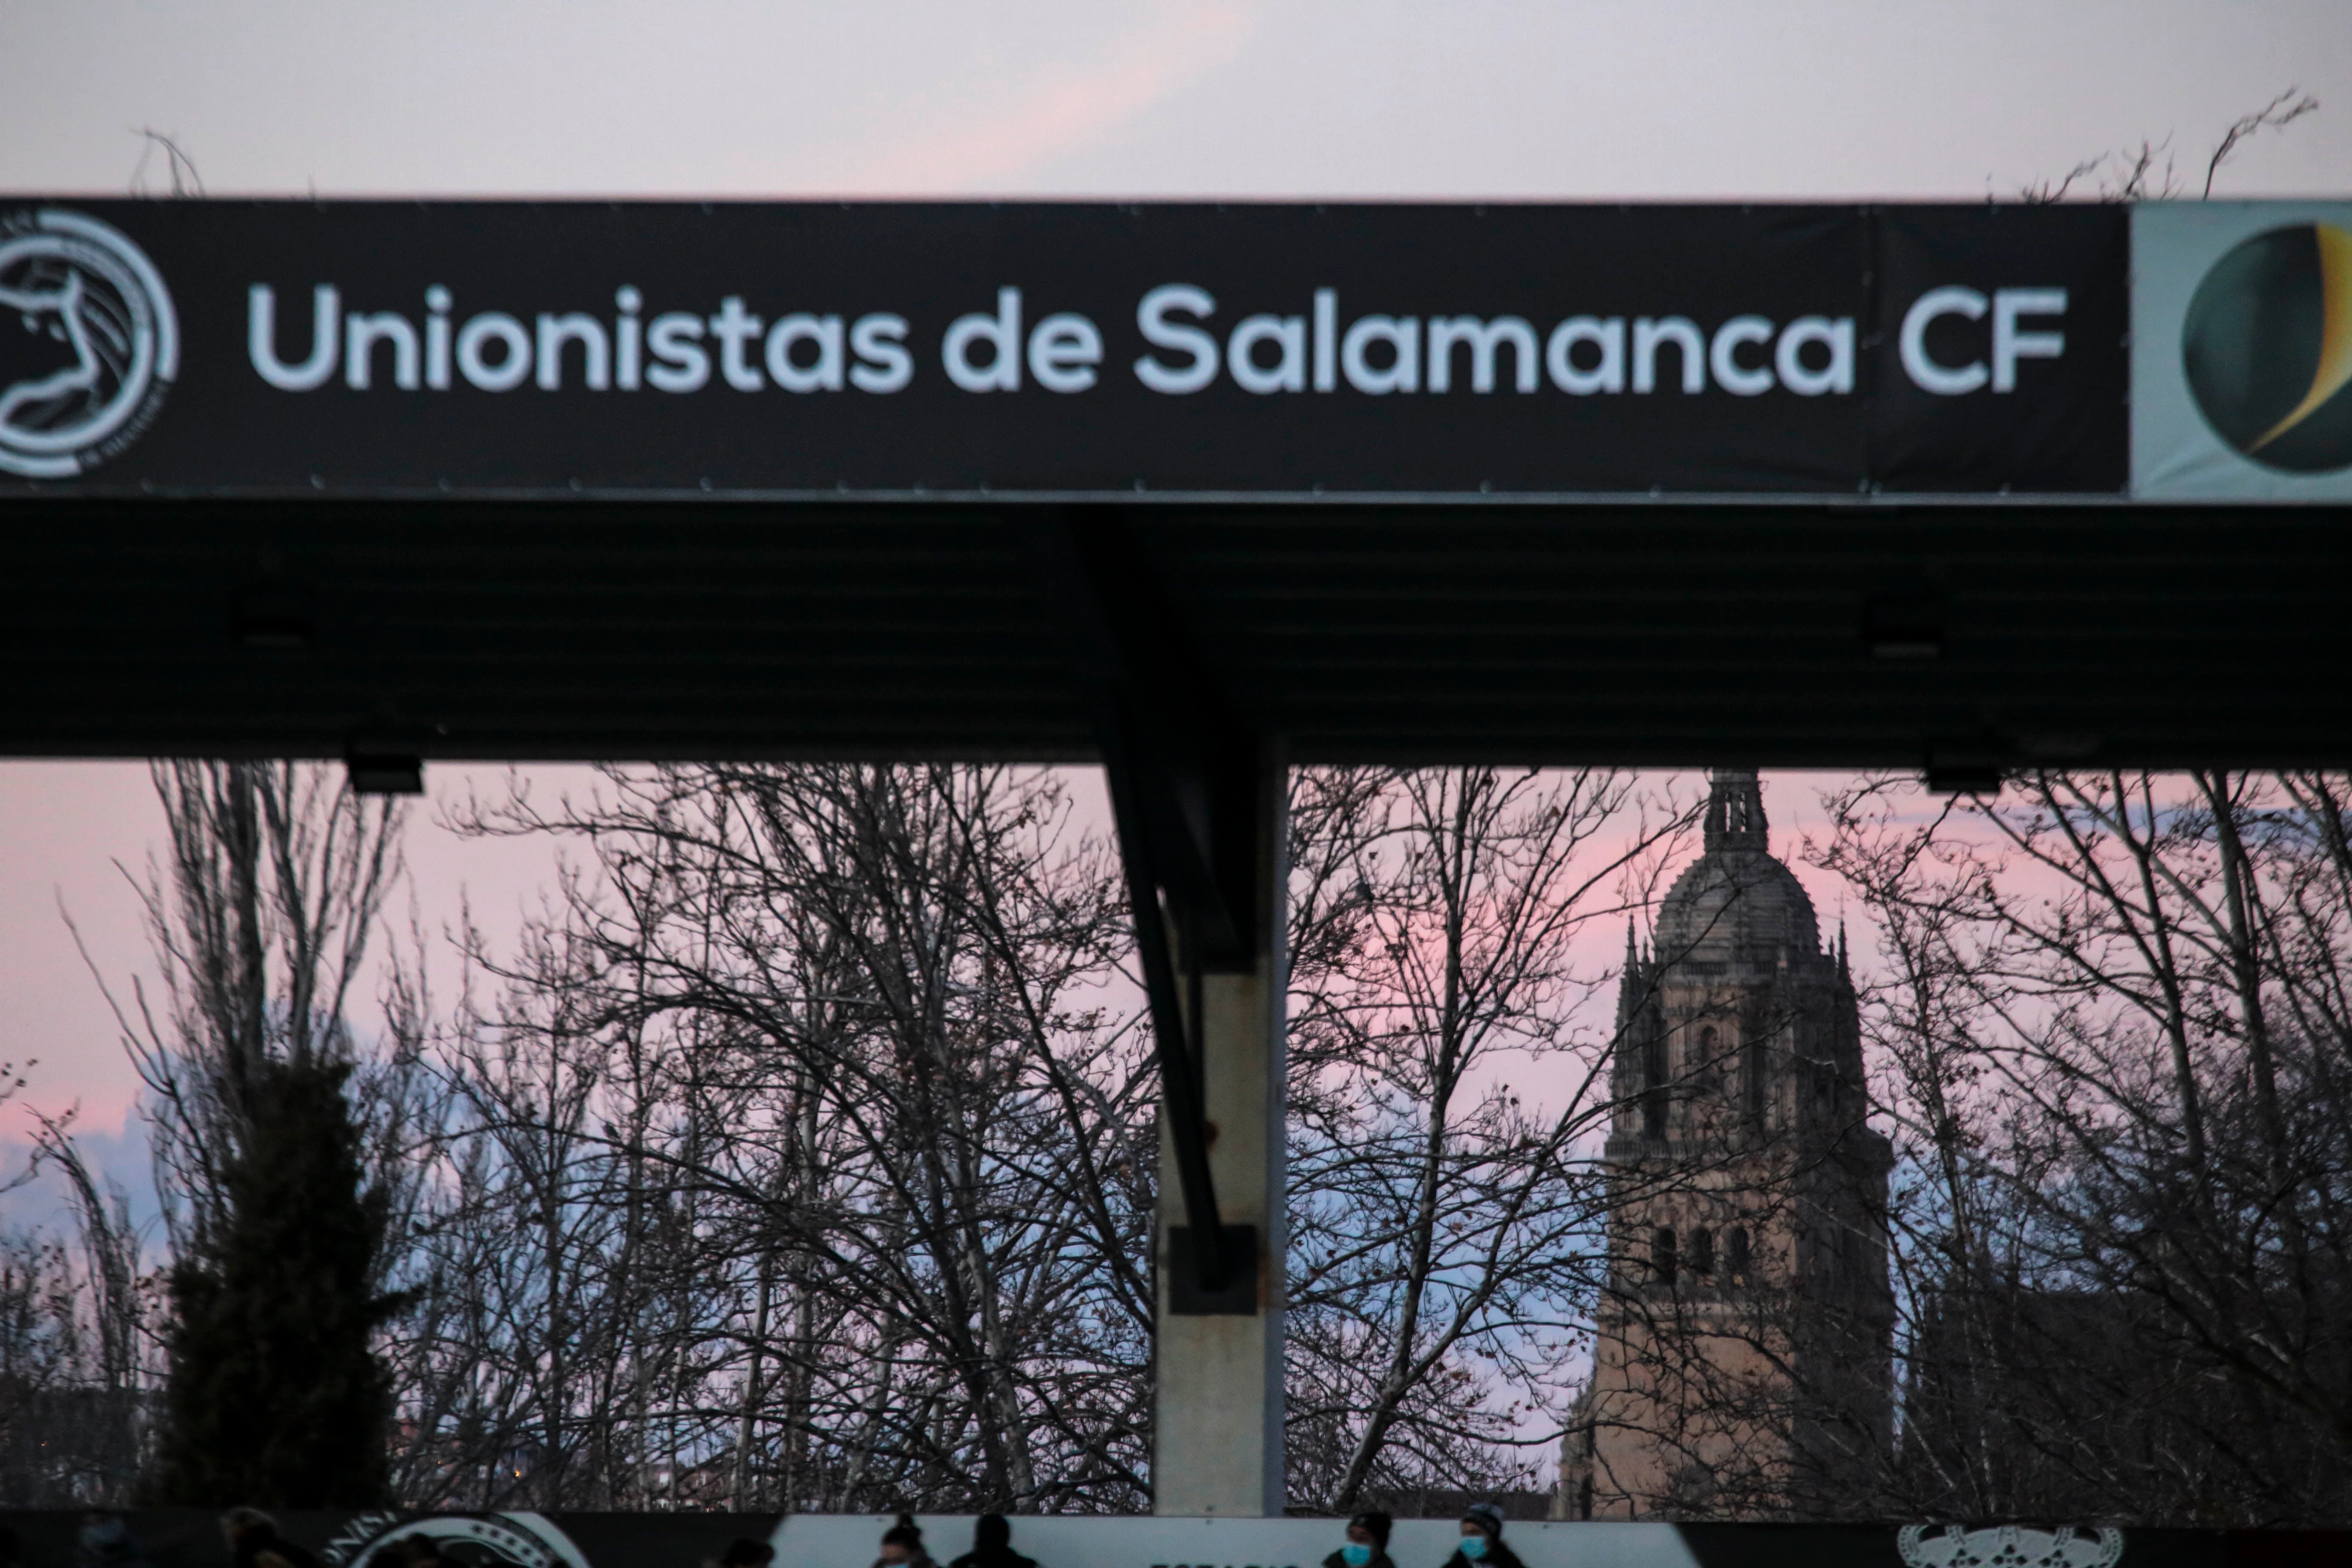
(992, 1546)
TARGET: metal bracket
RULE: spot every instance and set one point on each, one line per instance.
(1185, 779)
(1189, 1298)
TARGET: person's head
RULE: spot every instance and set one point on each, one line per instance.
(746, 1553)
(105, 1541)
(1368, 1532)
(242, 1525)
(992, 1533)
(902, 1543)
(1482, 1526)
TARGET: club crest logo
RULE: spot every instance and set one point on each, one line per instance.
(463, 1540)
(2007, 1546)
(89, 342)
(2267, 348)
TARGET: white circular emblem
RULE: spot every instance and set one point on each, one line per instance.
(88, 344)
(2009, 1546)
(465, 1541)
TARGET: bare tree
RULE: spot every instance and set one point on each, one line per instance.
(260, 916)
(2277, 115)
(178, 167)
(820, 1135)
(2118, 1043)
(72, 1418)
(1448, 1236)
(806, 1156)
(259, 919)
(2150, 172)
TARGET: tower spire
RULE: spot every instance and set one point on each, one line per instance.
(1627, 981)
(1735, 809)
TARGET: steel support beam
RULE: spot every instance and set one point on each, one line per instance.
(1199, 798)
(1182, 774)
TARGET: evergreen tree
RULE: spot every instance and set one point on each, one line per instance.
(275, 1397)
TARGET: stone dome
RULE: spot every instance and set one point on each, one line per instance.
(1736, 902)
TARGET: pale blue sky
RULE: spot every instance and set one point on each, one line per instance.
(1631, 98)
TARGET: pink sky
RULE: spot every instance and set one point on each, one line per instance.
(1282, 98)
(76, 839)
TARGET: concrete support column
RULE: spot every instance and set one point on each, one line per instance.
(1217, 1424)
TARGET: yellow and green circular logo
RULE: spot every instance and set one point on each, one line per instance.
(2268, 348)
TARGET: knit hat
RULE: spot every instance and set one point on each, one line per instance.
(1487, 1517)
(1374, 1523)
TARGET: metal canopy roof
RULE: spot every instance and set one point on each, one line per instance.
(1785, 635)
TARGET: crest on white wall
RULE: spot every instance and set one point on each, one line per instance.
(2007, 1546)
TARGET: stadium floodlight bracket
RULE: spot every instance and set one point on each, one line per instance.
(1184, 781)
(373, 772)
(1964, 767)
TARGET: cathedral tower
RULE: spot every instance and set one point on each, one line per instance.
(1742, 1360)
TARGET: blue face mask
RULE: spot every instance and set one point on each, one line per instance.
(1355, 1554)
(1473, 1547)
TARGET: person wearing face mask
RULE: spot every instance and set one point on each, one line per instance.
(1368, 1543)
(1482, 1540)
(902, 1546)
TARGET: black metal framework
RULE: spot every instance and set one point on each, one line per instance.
(1188, 784)
(1969, 639)
(1656, 636)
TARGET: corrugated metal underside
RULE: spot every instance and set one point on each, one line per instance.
(1634, 634)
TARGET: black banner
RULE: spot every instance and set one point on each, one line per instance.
(192, 1538)
(2022, 318)
(1044, 349)
(200, 1538)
